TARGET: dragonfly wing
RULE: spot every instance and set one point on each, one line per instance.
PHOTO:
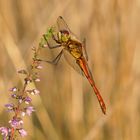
(84, 49)
(72, 62)
(53, 32)
(51, 35)
(62, 25)
(85, 68)
(89, 71)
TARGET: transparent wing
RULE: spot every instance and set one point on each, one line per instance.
(85, 68)
(72, 62)
(51, 36)
(89, 71)
(62, 25)
(53, 32)
(84, 49)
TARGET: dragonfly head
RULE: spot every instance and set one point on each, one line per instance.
(64, 35)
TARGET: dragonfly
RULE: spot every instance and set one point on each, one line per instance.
(72, 46)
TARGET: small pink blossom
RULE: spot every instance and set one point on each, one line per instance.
(14, 95)
(22, 132)
(35, 92)
(4, 131)
(13, 89)
(10, 107)
(29, 110)
(27, 100)
(39, 67)
(37, 80)
(16, 123)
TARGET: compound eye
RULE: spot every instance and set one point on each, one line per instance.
(64, 32)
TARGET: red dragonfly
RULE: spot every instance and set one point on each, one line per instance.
(66, 39)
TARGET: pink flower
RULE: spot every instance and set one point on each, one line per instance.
(27, 100)
(14, 95)
(37, 80)
(10, 107)
(39, 67)
(13, 89)
(4, 131)
(29, 110)
(22, 132)
(16, 123)
(35, 92)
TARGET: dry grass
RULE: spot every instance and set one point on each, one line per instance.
(67, 108)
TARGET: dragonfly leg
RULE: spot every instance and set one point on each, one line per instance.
(51, 47)
(55, 60)
(56, 40)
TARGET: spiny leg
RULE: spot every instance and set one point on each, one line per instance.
(56, 40)
(55, 60)
(51, 47)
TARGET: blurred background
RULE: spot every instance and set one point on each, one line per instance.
(67, 108)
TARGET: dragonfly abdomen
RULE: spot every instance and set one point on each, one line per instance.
(81, 62)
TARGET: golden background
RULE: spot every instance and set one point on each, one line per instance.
(67, 108)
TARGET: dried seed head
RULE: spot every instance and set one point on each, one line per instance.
(22, 72)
